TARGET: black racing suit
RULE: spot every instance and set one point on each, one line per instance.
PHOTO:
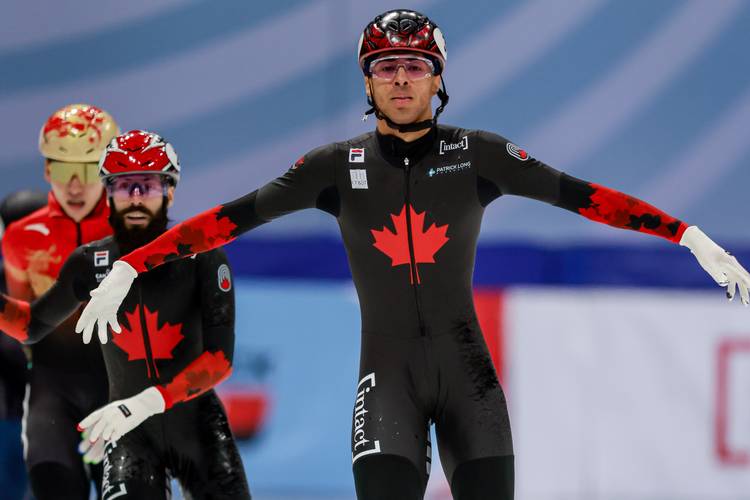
(177, 335)
(410, 216)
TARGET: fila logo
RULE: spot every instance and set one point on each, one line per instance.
(357, 155)
(224, 278)
(38, 227)
(517, 152)
(359, 178)
(101, 259)
(452, 146)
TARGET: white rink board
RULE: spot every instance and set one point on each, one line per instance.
(615, 394)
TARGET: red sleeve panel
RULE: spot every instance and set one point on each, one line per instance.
(208, 370)
(15, 316)
(208, 230)
(309, 183)
(602, 204)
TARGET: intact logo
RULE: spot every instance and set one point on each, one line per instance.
(359, 178)
(111, 490)
(453, 146)
(361, 446)
(101, 258)
(357, 155)
(224, 278)
(517, 152)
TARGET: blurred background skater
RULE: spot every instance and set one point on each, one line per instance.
(66, 380)
(179, 342)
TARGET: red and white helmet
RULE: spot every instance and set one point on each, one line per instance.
(139, 152)
(399, 30)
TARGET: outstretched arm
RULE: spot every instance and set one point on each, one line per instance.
(513, 171)
(605, 205)
(308, 183)
(211, 367)
(608, 206)
(30, 323)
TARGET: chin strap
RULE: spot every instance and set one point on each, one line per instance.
(408, 127)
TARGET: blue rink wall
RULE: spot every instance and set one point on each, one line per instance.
(306, 335)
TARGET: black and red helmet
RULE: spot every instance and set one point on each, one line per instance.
(139, 152)
(399, 30)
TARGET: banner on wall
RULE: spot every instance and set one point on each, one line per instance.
(628, 394)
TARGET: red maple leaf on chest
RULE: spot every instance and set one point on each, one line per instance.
(426, 242)
(162, 340)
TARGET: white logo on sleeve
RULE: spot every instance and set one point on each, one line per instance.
(224, 278)
(359, 178)
(357, 155)
(101, 258)
(517, 152)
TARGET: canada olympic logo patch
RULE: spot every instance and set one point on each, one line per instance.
(224, 278)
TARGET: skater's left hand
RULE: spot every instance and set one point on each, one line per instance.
(720, 264)
(113, 421)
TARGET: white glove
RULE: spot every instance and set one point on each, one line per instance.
(105, 301)
(720, 264)
(113, 421)
(93, 453)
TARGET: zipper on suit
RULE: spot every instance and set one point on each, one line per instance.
(413, 260)
(150, 364)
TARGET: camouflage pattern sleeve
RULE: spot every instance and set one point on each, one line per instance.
(605, 205)
(14, 317)
(208, 370)
(511, 170)
(300, 187)
(30, 323)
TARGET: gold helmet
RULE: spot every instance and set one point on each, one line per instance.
(77, 133)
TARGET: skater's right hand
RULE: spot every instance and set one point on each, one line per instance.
(105, 301)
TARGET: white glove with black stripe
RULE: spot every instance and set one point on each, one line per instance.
(113, 421)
